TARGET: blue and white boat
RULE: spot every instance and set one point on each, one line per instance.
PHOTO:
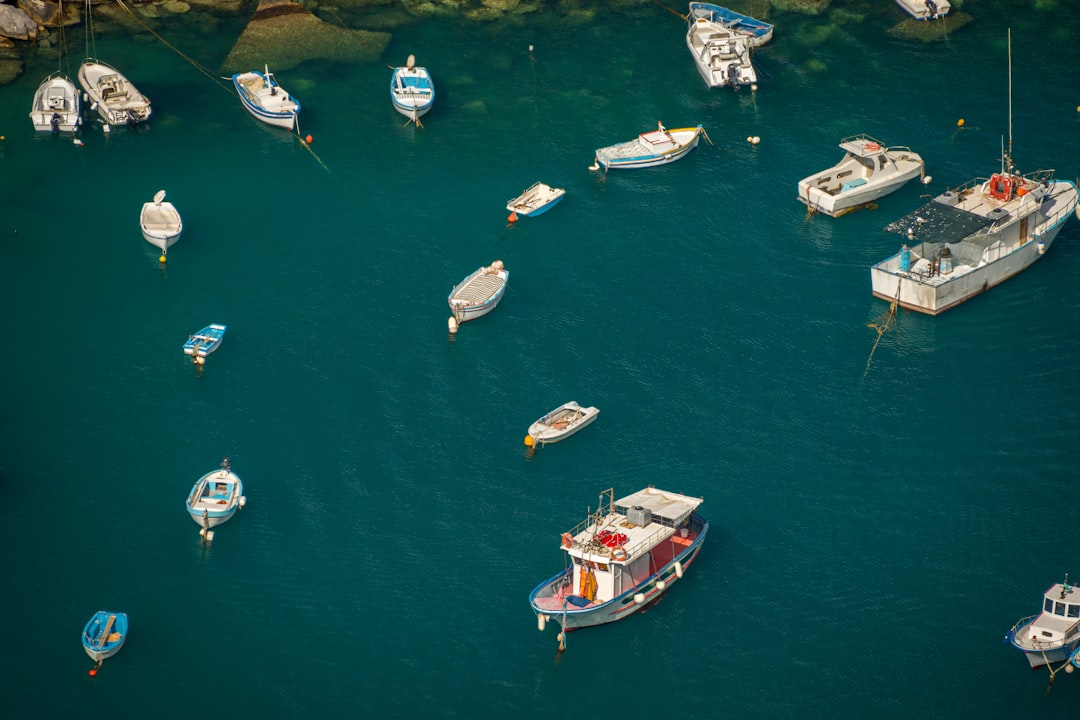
(411, 90)
(215, 498)
(265, 99)
(205, 341)
(1054, 634)
(536, 200)
(757, 32)
(104, 634)
(621, 559)
(656, 147)
(478, 294)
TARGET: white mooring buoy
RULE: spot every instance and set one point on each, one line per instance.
(452, 324)
(541, 622)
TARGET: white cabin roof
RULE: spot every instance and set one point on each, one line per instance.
(668, 505)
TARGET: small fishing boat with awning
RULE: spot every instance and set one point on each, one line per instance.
(1054, 634)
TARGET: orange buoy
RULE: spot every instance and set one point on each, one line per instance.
(513, 217)
(93, 672)
(960, 122)
(308, 139)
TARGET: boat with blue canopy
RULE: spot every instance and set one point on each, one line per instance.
(411, 90)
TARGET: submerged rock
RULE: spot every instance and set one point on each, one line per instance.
(930, 30)
(16, 24)
(284, 34)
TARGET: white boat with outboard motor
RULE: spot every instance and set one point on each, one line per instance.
(1054, 634)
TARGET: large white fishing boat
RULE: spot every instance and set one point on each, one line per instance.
(1054, 634)
(621, 559)
(966, 241)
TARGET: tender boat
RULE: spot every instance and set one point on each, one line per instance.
(926, 9)
(561, 423)
(160, 223)
(621, 558)
(656, 147)
(537, 200)
(411, 90)
(56, 105)
(722, 54)
(215, 498)
(868, 171)
(479, 293)
(266, 100)
(116, 100)
(966, 241)
(757, 32)
(104, 634)
(1054, 634)
(205, 341)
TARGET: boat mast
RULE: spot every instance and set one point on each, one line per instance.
(1007, 159)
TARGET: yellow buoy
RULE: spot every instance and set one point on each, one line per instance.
(161, 259)
(960, 122)
(529, 441)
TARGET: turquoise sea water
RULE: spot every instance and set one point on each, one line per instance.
(877, 526)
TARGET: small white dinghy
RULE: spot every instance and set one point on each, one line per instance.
(560, 423)
(160, 223)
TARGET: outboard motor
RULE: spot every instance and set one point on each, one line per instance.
(55, 122)
(733, 74)
(931, 9)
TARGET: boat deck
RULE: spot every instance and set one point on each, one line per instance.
(479, 289)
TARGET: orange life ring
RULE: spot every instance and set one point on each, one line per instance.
(618, 554)
(567, 540)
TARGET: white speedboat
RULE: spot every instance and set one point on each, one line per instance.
(112, 95)
(215, 498)
(867, 171)
(656, 147)
(925, 9)
(621, 559)
(1054, 634)
(266, 100)
(561, 423)
(536, 200)
(479, 293)
(966, 241)
(722, 55)
(411, 90)
(160, 223)
(56, 105)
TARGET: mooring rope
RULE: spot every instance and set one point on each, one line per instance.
(883, 327)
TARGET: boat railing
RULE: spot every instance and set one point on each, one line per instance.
(862, 137)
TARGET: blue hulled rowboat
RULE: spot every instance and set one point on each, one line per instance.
(205, 341)
(104, 634)
(756, 32)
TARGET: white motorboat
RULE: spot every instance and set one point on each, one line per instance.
(926, 9)
(214, 498)
(868, 171)
(722, 54)
(266, 100)
(56, 105)
(112, 95)
(560, 423)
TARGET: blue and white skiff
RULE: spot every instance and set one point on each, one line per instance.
(104, 634)
(205, 341)
(1054, 634)
(215, 498)
(621, 558)
(411, 90)
(657, 147)
(757, 33)
(265, 99)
